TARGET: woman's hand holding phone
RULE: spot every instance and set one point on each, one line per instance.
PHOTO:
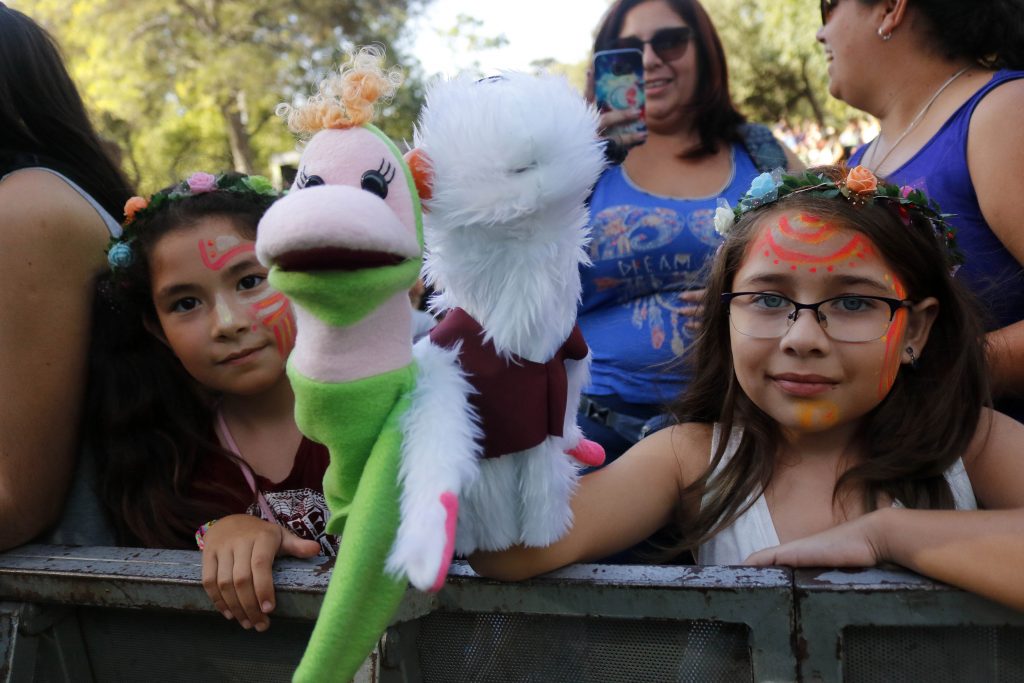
(619, 95)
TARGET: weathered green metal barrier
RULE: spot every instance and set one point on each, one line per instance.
(112, 614)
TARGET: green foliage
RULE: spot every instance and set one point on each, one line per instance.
(777, 68)
(193, 84)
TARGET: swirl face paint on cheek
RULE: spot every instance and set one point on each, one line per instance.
(275, 312)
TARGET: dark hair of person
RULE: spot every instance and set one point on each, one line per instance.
(43, 121)
(908, 441)
(987, 31)
(149, 422)
(717, 119)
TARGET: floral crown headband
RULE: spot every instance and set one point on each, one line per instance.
(859, 187)
(120, 252)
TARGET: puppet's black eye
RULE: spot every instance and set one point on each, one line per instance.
(308, 180)
(375, 182)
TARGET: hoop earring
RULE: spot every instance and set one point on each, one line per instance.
(884, 36)
(913, 358)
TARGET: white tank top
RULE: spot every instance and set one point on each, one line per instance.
(753, 530)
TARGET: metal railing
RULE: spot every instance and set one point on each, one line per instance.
(95, 613)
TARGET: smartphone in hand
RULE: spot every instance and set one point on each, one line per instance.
(619, 84)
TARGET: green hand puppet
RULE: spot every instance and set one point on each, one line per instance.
(345, 245)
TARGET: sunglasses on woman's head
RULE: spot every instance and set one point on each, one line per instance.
(667, 43)
(826, 9)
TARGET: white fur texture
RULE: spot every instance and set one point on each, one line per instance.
(440, 452)
(513, 161)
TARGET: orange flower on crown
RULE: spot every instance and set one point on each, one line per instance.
(861, 180)
(133, 206)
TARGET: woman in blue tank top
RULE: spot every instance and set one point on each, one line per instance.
(945, 79)
(652, 215)
(58, 193)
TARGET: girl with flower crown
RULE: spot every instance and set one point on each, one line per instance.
(189, 403)
(838, 410)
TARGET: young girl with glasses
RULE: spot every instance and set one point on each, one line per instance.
(837, 412)
(651, 216)
(191, 411)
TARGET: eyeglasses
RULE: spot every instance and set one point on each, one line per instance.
(860, 318)
(668, 43)
(826, 9)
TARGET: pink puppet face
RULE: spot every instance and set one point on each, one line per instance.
(344, 215)
(217, 312)
(806, 380)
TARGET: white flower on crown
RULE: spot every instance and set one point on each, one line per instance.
(724, 218)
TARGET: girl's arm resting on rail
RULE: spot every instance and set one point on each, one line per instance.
(51, 247)
(614, 507)
(981, 551)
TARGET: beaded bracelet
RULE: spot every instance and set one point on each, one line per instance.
(201, 533)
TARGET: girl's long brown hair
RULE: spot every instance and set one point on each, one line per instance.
(908, 441)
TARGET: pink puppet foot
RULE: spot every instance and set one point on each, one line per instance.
(451, 505)
(588, 452)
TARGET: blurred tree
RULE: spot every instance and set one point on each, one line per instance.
(576, 73)
(777, 68)
(193, 84)
(465, 41)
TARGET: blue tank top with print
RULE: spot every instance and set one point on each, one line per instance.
(940, 169)
(646, 250)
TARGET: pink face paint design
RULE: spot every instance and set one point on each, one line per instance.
(275, 312)
(793, 243)
(216, 255)
(893, 343)
(817, 414)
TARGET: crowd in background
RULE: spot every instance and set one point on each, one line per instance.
(818, 145)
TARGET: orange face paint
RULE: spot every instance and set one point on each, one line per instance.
(208, 250)
(811, 242)
(817, 414)
(275, 312)
(893, 346)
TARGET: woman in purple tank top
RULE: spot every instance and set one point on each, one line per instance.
(944, 79)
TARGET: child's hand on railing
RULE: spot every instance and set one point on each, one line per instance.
(238, 559)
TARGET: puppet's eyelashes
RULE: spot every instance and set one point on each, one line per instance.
(377, 181)
(308, 180)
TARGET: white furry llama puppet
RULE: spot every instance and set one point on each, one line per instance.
(510, 161)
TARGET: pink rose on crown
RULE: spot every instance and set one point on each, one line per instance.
(200, 182)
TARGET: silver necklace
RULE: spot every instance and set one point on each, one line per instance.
(913, 124)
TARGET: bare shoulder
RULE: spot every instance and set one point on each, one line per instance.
(1005, 99)
(991, 132)
(995, 152)
(688, 444)
(994, 463)
(43, 213)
